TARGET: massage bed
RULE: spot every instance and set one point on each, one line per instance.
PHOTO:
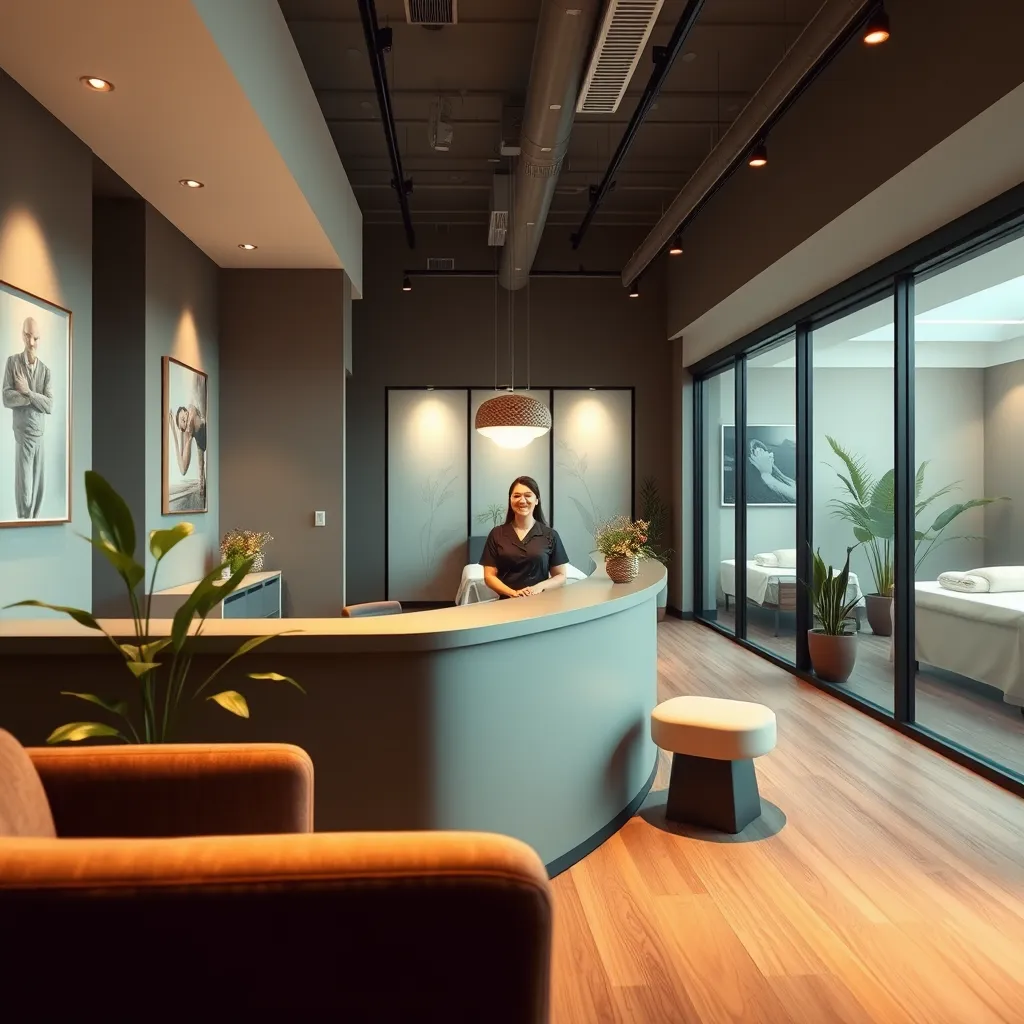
(980, 636)
(774, 587)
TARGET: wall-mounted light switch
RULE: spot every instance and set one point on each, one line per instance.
(319, 518)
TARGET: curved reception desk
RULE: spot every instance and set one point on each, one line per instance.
(527, 717)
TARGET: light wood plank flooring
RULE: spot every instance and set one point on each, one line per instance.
(883, 884)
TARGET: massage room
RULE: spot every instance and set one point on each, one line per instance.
(968, 417)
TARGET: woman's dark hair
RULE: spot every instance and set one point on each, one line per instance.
(181, 409)
(538, 512)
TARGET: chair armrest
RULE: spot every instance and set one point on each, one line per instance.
(383, 926)
(177, 789)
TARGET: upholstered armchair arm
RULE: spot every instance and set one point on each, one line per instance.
(177, 789)
(383, 926)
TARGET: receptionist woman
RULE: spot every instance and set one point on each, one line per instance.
(524, 555)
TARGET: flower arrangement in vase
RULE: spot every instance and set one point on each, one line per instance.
(239, 545)
(623, 543)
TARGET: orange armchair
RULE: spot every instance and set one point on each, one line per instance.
(128, 883)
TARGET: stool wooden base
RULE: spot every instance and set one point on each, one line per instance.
(722, 795)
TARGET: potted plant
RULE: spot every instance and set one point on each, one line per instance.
(870, 510)
(493, 514)
(239, 545)
(833, 647)
(655, 513)
(157, 715)
(623, 543)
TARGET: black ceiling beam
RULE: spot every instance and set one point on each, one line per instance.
(377, 43)
(664, 58)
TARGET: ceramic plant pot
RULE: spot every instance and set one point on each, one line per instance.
(622, 568)
(878, 613)
(832, 657)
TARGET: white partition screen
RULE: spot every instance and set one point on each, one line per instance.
(494, 468)
(428, 481)
(593, 465)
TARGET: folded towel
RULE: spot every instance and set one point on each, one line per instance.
(769, 560)
(963, 582)
(1002, 579)
(786, 557)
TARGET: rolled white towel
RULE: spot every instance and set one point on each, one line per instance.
(1001, 579)
(766, 559)
(964, 582)
(785, 557)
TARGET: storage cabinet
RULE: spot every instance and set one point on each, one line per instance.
(258, 597)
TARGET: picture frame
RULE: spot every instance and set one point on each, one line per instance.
(184, 419)
(776, 448)
(36, 385)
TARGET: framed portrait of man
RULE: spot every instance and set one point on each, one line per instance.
(35, 410)
(185, 410)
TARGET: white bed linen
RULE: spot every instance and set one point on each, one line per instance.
(980, 636)
(763, 582)
(473, 590)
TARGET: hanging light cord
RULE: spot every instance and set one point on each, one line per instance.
(495, 318)
(512, 291)
(527, 334)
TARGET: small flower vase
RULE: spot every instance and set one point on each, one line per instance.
(622, 568)
(225, 573)
(257, 562)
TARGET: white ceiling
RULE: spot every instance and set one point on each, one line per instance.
(212, 90)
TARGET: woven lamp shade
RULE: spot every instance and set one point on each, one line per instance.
(513, 420)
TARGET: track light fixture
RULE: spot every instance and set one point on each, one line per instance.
(634, 291)
(406, 284)
(676, 248)
(758, 155)
(877, 28)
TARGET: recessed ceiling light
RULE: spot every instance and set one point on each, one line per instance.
(877, 29)
(96, 84)
(676, 249)
(246, 245)
(689, 58)
(758, 155)
(545, 149)
(406, 284)
(634, 291)
(190, 183)
(555, 106)
(494, 160)
(530, 223)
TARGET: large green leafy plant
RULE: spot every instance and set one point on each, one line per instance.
(163, 684)
(869, 506)
(655, 512)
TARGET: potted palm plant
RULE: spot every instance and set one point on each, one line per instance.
(869, 507)
(833, 647)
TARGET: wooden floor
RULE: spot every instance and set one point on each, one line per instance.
(976, 717)
(883, 884)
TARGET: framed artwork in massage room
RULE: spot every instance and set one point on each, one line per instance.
(35, 411)
(770, 459)
(184, 415)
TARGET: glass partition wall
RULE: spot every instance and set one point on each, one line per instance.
(887, 418)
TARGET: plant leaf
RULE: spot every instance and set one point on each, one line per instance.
(233, 701)
(130, 651)
(860, 482)
(72, 732)
(117, 707)
(82, 618)
(588, 520)
(944, 518)
(204, 597)
(243, 648)
(149, 651)
(124, 565)
(161, 541)
(276, 677)
(140, 668)
(110, 514)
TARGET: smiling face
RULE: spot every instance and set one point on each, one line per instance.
(522, 500)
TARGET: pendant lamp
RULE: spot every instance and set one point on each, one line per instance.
(512, 419)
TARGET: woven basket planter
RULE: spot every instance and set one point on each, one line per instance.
(622, 568)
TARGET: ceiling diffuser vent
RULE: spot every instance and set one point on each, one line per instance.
(432, 12)
(621, 39)
(440, 263)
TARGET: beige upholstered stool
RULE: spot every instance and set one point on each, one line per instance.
(713, 744)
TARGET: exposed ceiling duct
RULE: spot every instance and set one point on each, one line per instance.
(564, 31)
(820, 40)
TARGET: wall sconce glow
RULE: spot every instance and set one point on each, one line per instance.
(96, 84)
(190, 183)
(512, 420)
(246, 245)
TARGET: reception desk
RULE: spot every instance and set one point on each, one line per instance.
(527, 717)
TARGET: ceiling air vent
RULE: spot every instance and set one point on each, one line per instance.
(501, 191)
(621, 39)
(432, 12)
(440, 263)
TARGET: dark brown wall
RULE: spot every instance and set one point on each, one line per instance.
(282, 412)
(582, 333)
(870, 114)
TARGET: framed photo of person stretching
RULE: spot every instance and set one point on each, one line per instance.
(35, 410)
(185, 410)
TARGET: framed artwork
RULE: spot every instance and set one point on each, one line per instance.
(770, 461)
(35, 414)
(185, 411)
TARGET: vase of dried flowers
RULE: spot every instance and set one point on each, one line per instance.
(238, 545)
(623, 543)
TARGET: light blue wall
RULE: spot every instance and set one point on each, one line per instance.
(46, 249)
